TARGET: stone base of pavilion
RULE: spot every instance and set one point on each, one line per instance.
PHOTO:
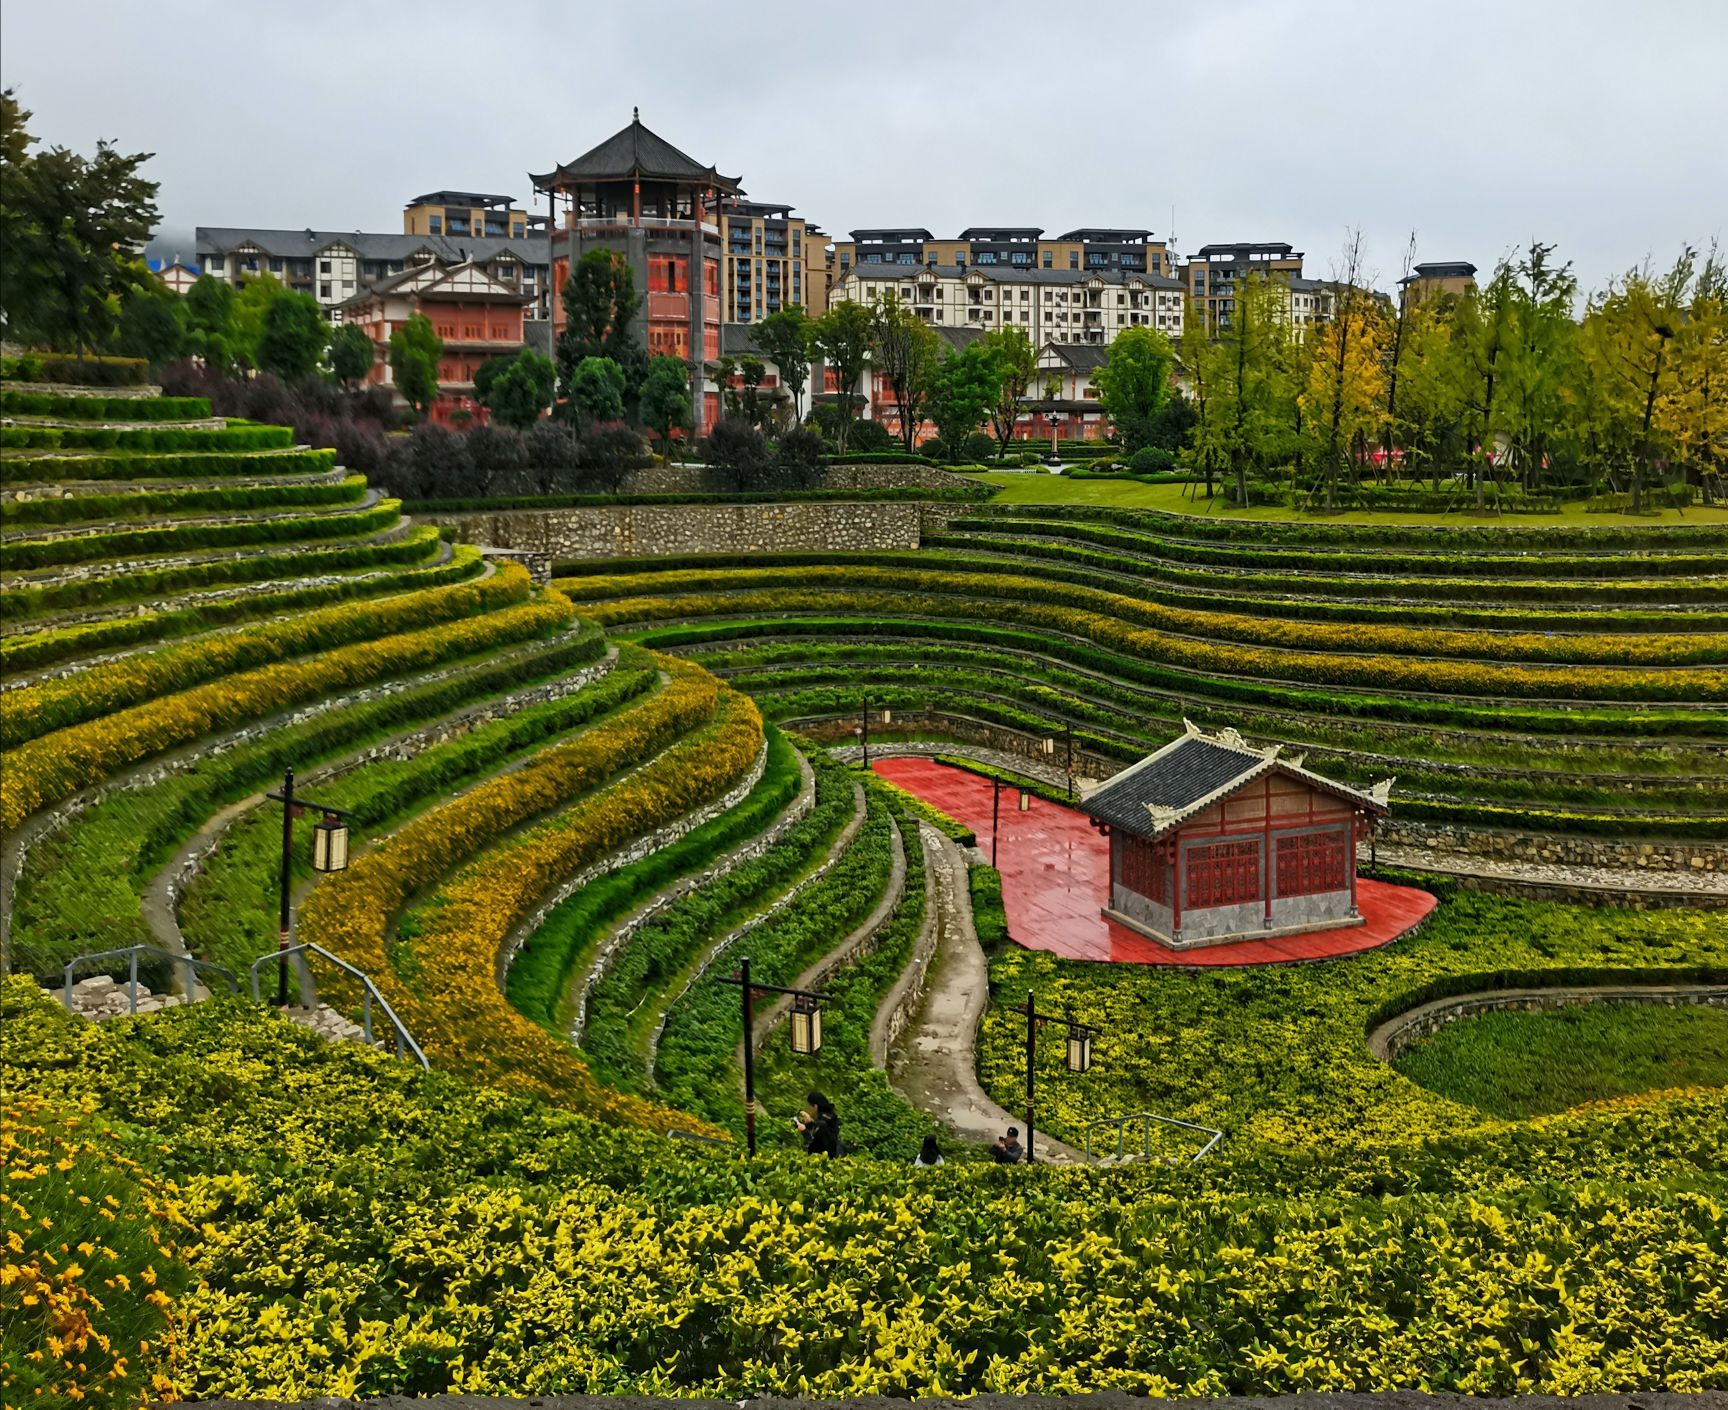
(1202, 942)
(1387, 912)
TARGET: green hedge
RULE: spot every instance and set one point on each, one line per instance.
(214, 465)
(71, 370)
(541, 975)
(16, 403)
(989, 919)
(1449, 538)
(1512, 557)
(233, 437)
(127, 543)
(1189, 685)
(29, 651)
(419, 544)
(141, 503)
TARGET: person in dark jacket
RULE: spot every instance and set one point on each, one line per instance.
(1008, 1150)
(819, 1124)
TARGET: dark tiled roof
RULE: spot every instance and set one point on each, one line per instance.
(1082, 357)
(305, 244)
(1178, 776)
(637, 151)
(738, 339)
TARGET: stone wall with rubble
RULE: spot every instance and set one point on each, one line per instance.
(1698, 857)
(699, 479)
(661, 530)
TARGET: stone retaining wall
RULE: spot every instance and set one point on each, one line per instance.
(1393, 1037)
(699, 479)
(656, 530)
(1538, 847)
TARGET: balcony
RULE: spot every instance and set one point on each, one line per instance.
(665, 306)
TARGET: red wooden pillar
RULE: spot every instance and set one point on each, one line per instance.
(636, 201)
(1355, 827)
(1176, 886)
(1266, 853)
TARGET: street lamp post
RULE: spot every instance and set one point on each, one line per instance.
(806, 1033)
(1664, 333)
(329, 853)
(1078, 1056)
(1068, 749)
(862, 728)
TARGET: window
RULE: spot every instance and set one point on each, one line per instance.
(323, 266)
(1048, 254)
(1073, 259)
(435, 224)
(1222, 874)
(1144, 872)
(324, 291)
(1312, 862)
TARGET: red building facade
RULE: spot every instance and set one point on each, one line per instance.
(1213, 841)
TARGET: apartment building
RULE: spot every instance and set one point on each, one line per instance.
(477, 315)
(638, 196)
(1089, 248)
(1048, 305)
(1453, 277)
(1212, 277)
(333, 266)
(773, 258)
(465, 215)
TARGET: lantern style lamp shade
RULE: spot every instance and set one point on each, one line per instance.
(330, 844)
(1025, 801)
(887, 716)
(1049, 745)
(1079, 1050)
(806, 1025)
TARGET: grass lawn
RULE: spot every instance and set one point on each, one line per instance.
(1036, 487)
(1517, 1065)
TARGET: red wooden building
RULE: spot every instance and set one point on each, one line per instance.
(1213, 841)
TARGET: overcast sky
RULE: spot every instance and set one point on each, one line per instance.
(1596, 124)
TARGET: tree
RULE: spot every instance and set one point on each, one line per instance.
(842, 338)
(606, 454)
(666, 399)
(210, 321)
(905, 350)
(1019, 362)
(1693, 416)
(1135, 382)
(737, 453)
(295, 336)
(1539, 367)
(415, 350)
(152, 326)
(351, 354)
(798, 459)
(784, 339)
(600, 304)
(70, 227)
(517, 394)
(597, 390)
(1346, 375)
(964, 392)
(251, 309)
(1483, 328)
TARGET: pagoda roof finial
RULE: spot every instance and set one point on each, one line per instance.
(635, 114)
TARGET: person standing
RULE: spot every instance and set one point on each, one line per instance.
(930, 1154)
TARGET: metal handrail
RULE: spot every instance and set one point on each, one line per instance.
(194, 967)
(405, 1043)
(1146, 1118)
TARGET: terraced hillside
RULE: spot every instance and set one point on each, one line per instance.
(1555, 682)
(193, 606)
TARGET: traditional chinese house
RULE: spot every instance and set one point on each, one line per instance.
(1212, 840)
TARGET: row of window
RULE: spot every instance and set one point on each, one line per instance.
(1228, 873)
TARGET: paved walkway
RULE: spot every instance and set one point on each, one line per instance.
(1056, 878)
(934, 1062)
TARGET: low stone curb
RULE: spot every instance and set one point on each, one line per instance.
(902, 1000)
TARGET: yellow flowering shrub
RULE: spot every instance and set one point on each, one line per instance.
(49, 769)
(709, 737)
(87, 1262)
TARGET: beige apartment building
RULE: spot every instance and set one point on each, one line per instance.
(1453, 277)
(1088, 249)
(1048, 305)
(465, 215)
(772, 258)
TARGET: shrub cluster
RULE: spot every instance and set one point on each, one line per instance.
(71, 370)
(71, 408)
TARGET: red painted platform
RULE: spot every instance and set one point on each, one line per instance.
(1056, 878)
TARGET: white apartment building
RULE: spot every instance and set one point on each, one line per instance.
(1048, 305)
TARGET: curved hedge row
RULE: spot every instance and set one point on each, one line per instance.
(55, 766)
(138, 504)
(138, 580)
(80, 888)
(234, 436)
(31, 650)
(25, 554)
(95, 408)
(209, 465)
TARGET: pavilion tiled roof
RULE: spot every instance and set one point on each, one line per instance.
(1194, 771)
(635, 151)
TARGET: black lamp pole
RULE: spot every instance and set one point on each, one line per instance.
(1068, 740)
(864, 730)
(748, 992)
(995, 816)
(292, 807)
(1031, 1066)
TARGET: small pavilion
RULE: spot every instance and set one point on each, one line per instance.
(1214, 841)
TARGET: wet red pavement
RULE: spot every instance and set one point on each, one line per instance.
(1056, 877)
